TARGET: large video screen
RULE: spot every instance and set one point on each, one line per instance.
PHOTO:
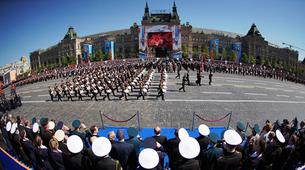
(160, 40)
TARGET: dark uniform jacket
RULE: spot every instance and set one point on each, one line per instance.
(105, 163)
(57, 160)
(125, 154)
(30, 150)
(43, 158)
(229, 161)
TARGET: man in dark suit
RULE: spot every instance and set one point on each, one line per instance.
(162, 140)
(173, 151)
(124, 152)
(231, 157)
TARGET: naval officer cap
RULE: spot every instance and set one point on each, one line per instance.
(231, 137)
(8, 126)
(59, 135)
(183, 134)
(148, 158)
(35, 127)
(189, 148)
(101, 147)
(51, 125)
(204, 130)
(279, 136)
(75, 144)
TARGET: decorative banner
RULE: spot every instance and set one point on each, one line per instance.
(142, 55)
(213, 49)
(237, 49)
(87, 52)
(177, 37)
(109, 49)
(177, 55)
(142, 38)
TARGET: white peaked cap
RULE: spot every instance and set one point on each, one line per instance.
(279, 136)
(204, 130)
(232, 137)
(59, 135)
(182, 134)
(101, 146)
(189, 148)
(8, 126)
(75, 144)
(51, 125)
(148, 158)
(35, 127)
(14, 128)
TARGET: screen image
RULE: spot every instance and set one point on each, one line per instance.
(161, 40)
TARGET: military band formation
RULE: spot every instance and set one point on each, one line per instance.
(134, 79)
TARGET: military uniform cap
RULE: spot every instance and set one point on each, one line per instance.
(59, 125)
(148, 158)
(189, 148)
(241, 126)
(34, 120)
(44, 121)
(101, 146)
(35, 127)
(279, 136)
(51, 125)
(182, 134)
(231, 137)
(76, 123)
(8, 126)
(204, 130)
(132, 132)
(59, 135)
(75, 144)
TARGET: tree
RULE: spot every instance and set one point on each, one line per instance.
(252, 60)
(244, 58)
(234, 56)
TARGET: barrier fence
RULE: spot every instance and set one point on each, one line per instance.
(120, 121)
(212, 120)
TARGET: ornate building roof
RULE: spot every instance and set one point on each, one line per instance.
(254, 31)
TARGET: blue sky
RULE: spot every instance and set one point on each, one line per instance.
(27, 25)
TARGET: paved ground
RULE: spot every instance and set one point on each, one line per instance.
(250, 99)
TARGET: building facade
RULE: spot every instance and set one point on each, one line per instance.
(186, 41)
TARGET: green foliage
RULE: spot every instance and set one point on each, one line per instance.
(185, 51)
(252, 59)
(244, 58)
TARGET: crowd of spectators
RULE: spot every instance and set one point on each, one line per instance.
(49, 144)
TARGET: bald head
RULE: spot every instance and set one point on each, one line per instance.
(157, 130)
